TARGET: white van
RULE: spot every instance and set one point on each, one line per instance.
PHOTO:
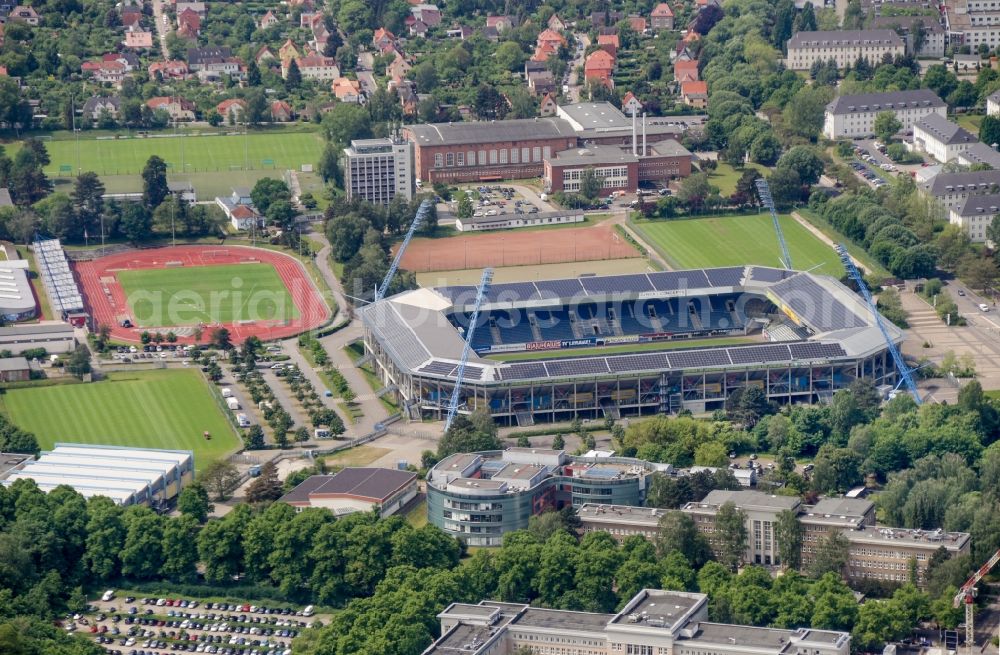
(308, 611)
(233, 403)
(322, 433)
(227, 392)
(983, 307)
(243, 420)
(108, 595)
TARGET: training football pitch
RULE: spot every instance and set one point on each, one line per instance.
(736, 241)
(144, 409)
(168, 297)
(186, 154)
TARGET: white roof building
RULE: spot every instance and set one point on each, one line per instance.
(128, 476)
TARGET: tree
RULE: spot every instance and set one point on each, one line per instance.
(154, 183)
(886, 125)
(804, 114)
(746, 406)
(193, 501)
(979, 272)
(509, 56)
(346, 122)
(558, 442)
(694, 190)
(219, 477)
(590, 184)
(180, 549)
(256, 108)
(490, 103)
(730, 526)
(474, 433)
(989, 130)
(836, 469)
(266, 486)
(142, 553)
(786, 186)
(788, 538)
(79, 362)
(831, 556)
(806, 20)
(220, 338)
(464, 208)
(677, 531)
(268, 190)
(329, 166)
(88, 199)
(804, 161)
(253, 73)
(253, 438)
(293, 77)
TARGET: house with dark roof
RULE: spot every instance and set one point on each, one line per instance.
(938, 137)
(356, 490)
(975, 215)
(952, 189)
(851, 116)
(97, 106)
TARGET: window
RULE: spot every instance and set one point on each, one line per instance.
(470, 157)
(536, 154)
(438, 160)
(548, 152)
(493, 156)
(460, 159)
(450, 159)
(525, 155)
(514, 156)
(482, 157)
(503, 155)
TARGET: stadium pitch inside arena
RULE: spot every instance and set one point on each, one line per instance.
(807, 336)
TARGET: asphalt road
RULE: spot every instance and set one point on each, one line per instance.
(365, 76)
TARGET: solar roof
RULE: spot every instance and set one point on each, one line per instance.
(698, 358)
(724, 277)
(814, 304)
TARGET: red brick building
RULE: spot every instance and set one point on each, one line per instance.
(471, 152)
(619, 169)
(599, 67)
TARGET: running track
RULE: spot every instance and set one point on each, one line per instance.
(106, 304)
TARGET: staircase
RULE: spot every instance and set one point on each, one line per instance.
(533, 322)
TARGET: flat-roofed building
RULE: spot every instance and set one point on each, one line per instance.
(652, 622)
(14, 369)
(10, 462)
(851, 116)
(54, 336)
(620, 521)
(128, 476)
(356, 490)
(618, 168)
(601, 123)
(761, 511)
(379, 170)
(889, 554)
(842, 46)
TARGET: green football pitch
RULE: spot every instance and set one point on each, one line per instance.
(186, 154)
(738, 240)
(144, 409)
(167, 297)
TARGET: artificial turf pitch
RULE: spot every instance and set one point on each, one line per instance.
(145, 409)
(169, 297)
(737, 241)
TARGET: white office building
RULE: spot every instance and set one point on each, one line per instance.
(938, 137)
(378, 170)
(853, 116)
(975, 215)
(843, 46)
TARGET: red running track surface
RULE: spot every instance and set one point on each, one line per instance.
(313, 311)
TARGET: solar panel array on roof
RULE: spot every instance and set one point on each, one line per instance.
(557, 368)
(762, 274)
(815, 305)
(724, 277)
(523, 371)
(810, 350)
(510, 292)
(626, 363)
(672, 281)
(57, 278)
(398, 336)
(759, 354)
(698, 359)
(559, 288)
(617, 284)
(438, 368)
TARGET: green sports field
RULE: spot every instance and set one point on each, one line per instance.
(168, 297)
(146, 409)
(186, 154)
(738, 240)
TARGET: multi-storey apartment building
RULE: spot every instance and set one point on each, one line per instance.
(378, 170)
(852, 116)
(654, 622)
(975, 215)
(938, 137)
(953, 189)
(842, 46)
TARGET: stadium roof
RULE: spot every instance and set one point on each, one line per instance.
(443, 134)
(416, 333)
(122, 474)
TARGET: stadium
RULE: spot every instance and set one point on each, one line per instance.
(626, 345)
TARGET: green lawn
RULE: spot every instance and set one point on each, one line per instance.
(725, 177)
(146, 409)
(970, 122)
(166, 297)
(624, 348)
(187, 154)
(736, 241)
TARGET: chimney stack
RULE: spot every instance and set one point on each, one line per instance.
(633, 132)
(644, 152)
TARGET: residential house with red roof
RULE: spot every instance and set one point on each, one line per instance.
(686, 70)
(264, 56)
(631, 105)
(287, 52)
(232, 107)
(112, 72)
(22, 14)
(429, 14)
(500, 23)
(599, 67)
(551, 38)
(281, 111)
(346, 90)
(556, 23)
(268, 20)
(662, 17)
(175, 69)
(131, 17)
(609, 43)
(138, 40)
(638, 23)
(397, 70)
(383, 39)
(548, 106)
(189, 23)
(695, 94)
(177, 108)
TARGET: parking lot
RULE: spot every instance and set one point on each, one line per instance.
(128, 354)
(499, 201)
(153, 626)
